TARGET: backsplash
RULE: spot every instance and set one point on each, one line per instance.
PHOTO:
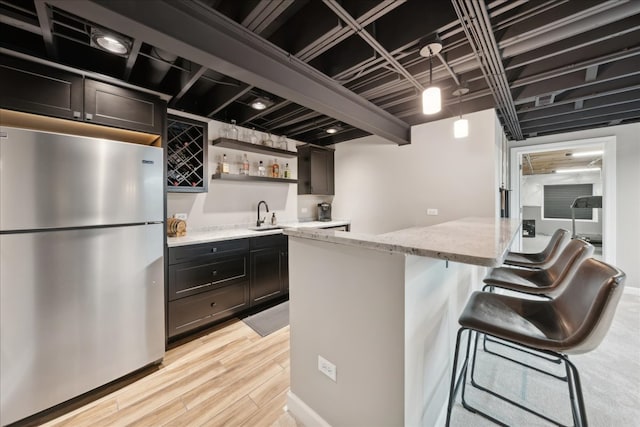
(229, 202)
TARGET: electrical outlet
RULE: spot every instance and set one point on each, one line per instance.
(182, 216)
(327, 368)
(432, 211)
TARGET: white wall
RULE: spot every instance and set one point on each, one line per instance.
(383, 187)
(233, 203)
(627, 190)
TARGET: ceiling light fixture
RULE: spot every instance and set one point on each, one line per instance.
(576, 170)
(261, 103)
(431, 99)
(460, 126)
(110, 42)
(332, 130)
(586, 153)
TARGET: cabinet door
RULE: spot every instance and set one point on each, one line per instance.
(124, 108)
(315, 171)
(265, 275)
(321, 171)
(284, 265)
(38, 89)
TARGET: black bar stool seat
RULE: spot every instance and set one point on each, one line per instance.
(541, 281)
(543, 259)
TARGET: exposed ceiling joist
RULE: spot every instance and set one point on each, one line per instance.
(44, 17)
(131, 60)
(240, 54)
(15, 20)
(263, 15)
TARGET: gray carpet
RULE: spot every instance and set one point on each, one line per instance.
(269, 320)
(610, 378)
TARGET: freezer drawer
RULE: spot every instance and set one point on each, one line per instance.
(78, 308)
(50, 180)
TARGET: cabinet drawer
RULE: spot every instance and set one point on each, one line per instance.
(268, 241)
(194, 277)
(203, 250)
(198, 310)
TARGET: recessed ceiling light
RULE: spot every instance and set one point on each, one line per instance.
(110, 42)
(332, 130)
(261, 103)
(586, 153)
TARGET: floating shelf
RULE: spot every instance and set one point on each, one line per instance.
(253, 148)
(232, 177)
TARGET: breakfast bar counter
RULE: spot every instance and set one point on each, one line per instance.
(381, 311)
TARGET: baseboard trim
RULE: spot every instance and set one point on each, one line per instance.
(301, 411)
(631, 290)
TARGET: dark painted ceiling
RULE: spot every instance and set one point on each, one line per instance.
(546, 66)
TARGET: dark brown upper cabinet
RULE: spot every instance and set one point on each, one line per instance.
(315, 170)
(38, 89)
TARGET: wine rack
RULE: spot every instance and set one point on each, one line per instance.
(186, 155)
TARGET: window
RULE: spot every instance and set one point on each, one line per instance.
(558, 200)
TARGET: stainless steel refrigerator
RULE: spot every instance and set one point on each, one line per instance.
(81, 265)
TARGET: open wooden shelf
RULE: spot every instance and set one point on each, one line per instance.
(233, 177)
(253, 148)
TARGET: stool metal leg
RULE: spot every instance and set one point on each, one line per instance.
(572, 379)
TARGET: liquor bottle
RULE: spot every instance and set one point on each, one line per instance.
(287, 172)
(245, 165)
(261, 170)
(253, 138)
(224, 165)
(275, 169)
(233, 133)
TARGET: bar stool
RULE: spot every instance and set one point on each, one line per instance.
(540, 259)
(540, 281)
(574, 321)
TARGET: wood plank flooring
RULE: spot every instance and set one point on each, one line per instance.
(229, 376)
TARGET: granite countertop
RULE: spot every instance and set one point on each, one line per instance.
(230, 232)
(474, 240)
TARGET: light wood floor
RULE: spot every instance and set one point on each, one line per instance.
(231, 376)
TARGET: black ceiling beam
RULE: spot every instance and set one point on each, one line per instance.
(132, 58)
(259, 113)
(583, 114)
(15, 20)
(193, 78)
(223, 96)
(590, 103)
(215, 41)
(44, 18)
(591, 122)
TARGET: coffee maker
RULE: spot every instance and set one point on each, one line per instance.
(324, 211)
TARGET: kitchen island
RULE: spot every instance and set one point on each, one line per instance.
(382, 311)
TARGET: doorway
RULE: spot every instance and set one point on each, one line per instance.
(604, 184)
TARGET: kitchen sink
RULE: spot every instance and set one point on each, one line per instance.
(266, 228)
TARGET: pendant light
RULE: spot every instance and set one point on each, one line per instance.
(431, 99)
(460, 126)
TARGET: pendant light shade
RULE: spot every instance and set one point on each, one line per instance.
(461, 128)
(431, 101)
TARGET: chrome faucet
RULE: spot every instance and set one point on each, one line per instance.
(259, 222)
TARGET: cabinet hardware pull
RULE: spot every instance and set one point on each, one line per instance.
(214, 249)
(88, 116)
(214, 272)
(213, 304)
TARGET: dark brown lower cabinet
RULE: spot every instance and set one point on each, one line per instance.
(211, 282)
(187, 314)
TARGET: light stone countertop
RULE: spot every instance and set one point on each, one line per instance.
(230, 232)
(474, 240)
